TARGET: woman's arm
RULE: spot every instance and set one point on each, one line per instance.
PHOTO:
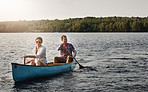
(29, 56)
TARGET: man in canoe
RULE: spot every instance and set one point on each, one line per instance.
(39, 54)
(66, 50)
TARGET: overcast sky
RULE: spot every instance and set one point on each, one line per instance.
(11, 10)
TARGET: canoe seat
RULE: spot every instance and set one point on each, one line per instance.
(53, 64)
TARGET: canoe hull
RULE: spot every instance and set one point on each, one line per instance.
(25, 72)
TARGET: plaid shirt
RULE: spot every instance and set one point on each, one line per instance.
(64, 53)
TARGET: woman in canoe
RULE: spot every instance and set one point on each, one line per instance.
(39, 54)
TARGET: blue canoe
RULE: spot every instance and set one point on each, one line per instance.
(23, 72)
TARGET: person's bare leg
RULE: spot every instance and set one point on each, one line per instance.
(69, 59)
(33, 63)
(40, 63)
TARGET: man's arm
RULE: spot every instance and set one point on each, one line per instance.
(60, 46)
(75, 53)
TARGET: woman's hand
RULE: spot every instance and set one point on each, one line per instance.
(25, 56)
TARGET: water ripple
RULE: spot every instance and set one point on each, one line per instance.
(114, 62)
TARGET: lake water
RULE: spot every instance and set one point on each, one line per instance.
(116, 62)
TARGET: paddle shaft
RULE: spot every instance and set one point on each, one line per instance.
(24, 60)
(74, 57)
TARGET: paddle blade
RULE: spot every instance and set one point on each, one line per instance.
(80, 66)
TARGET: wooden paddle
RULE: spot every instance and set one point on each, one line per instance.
(80, 66)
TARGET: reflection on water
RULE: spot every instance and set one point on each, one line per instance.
(46, 84)
(114, 62)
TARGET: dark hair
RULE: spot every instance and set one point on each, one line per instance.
(62, 37)
(39, 38)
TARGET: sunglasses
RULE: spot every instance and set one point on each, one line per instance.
(38, 42)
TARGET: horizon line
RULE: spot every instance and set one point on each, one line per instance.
(69, 18)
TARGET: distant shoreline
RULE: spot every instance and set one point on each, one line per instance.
(68, 32)
(86, 24)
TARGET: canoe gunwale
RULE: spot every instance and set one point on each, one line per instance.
(57, 64)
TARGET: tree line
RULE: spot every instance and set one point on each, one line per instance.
(86, 24)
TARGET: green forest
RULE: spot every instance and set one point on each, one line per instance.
(86, 24)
